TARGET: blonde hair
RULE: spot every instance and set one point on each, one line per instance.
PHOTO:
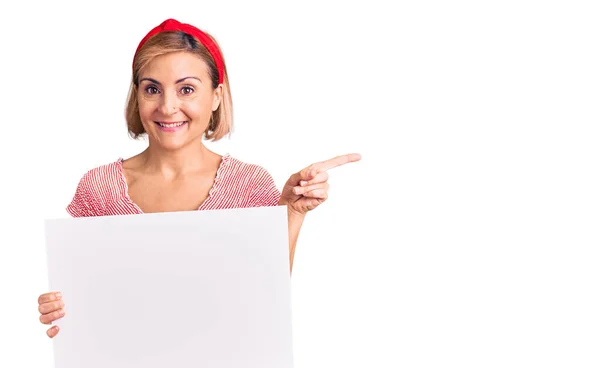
(221, 121)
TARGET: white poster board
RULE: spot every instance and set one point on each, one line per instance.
(185, 289)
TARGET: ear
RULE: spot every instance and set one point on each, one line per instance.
(217, 97)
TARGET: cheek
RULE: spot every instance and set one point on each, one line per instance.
(196, 109)
(146, 109)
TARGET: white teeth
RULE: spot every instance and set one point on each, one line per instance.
(172, 125)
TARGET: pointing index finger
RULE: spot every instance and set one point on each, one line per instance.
(338, 161)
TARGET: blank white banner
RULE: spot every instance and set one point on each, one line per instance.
(186, 289)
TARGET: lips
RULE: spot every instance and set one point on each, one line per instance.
(170, 125)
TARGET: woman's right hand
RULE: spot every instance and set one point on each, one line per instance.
(51, 308)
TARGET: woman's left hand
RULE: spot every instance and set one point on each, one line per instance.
(308, 188)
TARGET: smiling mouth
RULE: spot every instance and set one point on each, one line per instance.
(170, 125)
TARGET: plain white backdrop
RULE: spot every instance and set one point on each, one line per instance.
(466, 237)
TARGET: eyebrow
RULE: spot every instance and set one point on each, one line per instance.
(176, 82)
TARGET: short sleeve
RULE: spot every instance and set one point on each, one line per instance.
(82, 204)
(264, 192)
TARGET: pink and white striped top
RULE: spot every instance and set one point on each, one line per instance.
(103, 190)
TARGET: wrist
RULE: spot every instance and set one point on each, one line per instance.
(294, 214)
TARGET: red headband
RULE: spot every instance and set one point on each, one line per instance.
(174, 25)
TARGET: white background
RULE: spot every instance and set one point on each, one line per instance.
(467, 236)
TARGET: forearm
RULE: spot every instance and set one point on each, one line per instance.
(295, 221)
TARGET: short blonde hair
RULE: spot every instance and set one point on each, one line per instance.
(221, 122)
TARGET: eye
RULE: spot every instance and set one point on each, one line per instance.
(151, 90)
(187, 90)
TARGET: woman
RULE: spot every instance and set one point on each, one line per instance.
(179, 96)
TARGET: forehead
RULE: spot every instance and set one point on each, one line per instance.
(175, 65)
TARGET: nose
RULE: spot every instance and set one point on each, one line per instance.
(169, 104)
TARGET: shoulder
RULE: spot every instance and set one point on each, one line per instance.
(103, 175)
(95, 188)
(249, 173)
(251, 182)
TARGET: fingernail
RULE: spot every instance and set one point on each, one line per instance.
(303, 183)
(58, 295)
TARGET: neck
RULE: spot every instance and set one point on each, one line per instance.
(172, 163)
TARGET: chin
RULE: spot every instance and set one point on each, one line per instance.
(172, 144)
(176, 141)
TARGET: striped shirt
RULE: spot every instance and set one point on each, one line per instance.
(103, 191)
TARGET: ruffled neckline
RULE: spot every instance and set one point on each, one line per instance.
(221, 171)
